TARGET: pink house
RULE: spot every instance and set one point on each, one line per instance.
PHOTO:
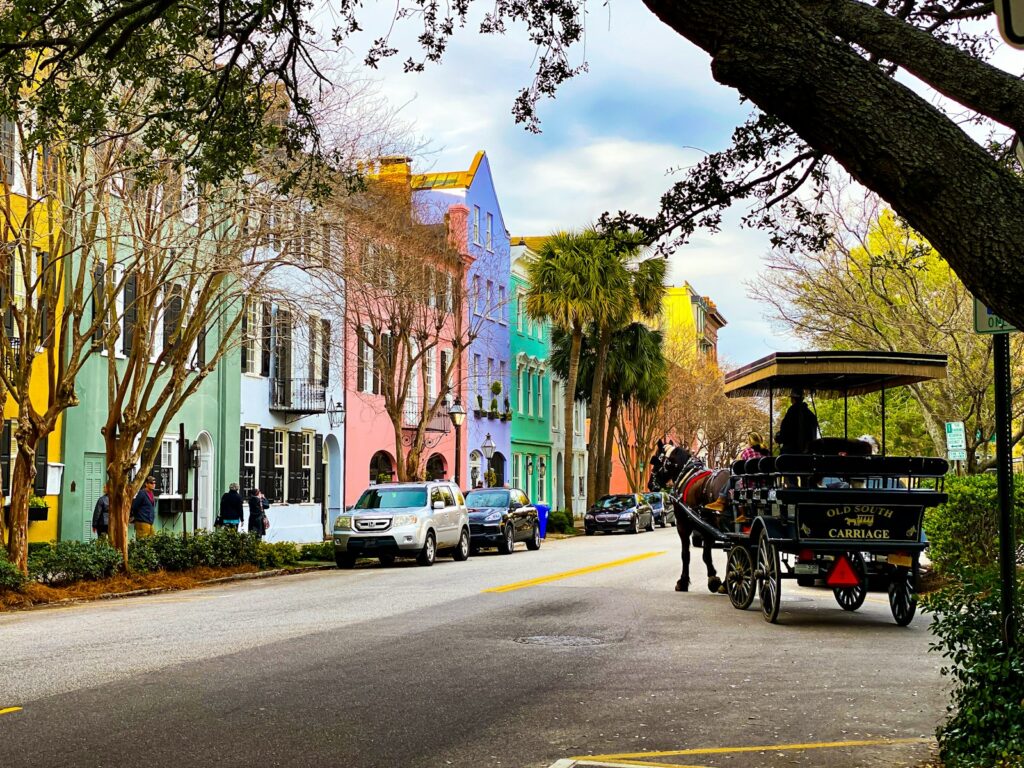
(372, 451)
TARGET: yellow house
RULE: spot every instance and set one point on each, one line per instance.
(21, 211)
(689, 323)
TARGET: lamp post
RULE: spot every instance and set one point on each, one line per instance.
(488, 449)
(457, 414)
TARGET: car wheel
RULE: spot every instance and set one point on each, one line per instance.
(508, 541)
(588, 531)
(345, 560)
(533, 543)
(635, 528)
(461, 551)
(386, 560)
(428, 554)
(661, 522)
(650, 525)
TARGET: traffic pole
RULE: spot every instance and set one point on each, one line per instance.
(1004, 464)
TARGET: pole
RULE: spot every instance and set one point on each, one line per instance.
(883, 421)
(458, 456)
(195, 490)
(1004, 463)
(771, 420)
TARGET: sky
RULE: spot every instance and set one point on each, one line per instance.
(609, 142)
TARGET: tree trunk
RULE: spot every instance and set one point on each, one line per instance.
(121, 487)
(570, 400)
(887, 137)
(22, 480)
(596, 455)
(606, 457)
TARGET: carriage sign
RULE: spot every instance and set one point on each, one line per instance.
(987, 321)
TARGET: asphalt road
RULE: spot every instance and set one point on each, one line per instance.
(411, 666)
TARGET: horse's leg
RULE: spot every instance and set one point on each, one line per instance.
(714, 583)
(683, 529)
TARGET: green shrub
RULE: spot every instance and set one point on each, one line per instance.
(965, 530)
(560, 521)
(142, 557)
(10, 577)
(321, 550)
(172, 551)
(279, 554)
(986, 723)
(63, 562)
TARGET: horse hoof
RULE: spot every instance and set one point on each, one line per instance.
(682, 586)
(714, 583)
(722, 590)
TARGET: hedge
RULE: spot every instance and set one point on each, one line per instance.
(964, 531)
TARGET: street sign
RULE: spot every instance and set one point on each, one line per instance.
(957, 455)
(985, 320)
(956, 436)
(1011, 21)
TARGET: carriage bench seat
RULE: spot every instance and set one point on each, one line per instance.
(802, 465)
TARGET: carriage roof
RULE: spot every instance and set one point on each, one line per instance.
(833, 373)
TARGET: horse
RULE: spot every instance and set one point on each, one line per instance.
(689, 481)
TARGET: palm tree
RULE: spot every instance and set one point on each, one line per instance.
(629, 288)
(637, 374)
(565, 289)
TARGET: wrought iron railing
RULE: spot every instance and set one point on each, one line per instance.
(298, 395)
(439, 422)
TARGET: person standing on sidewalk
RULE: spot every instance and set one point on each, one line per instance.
(101, 515)
(232, 510)
(258, 505)
(143, 513)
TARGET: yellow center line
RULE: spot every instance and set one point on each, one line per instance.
(9, 710)
(764, 748)
(641, 764)
(570, 574)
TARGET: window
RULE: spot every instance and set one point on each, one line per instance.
(529, 393)
(490, 378)
(446, 361)
(540, 478)
(168, 470)
(501, 305)
(449, 293)
(247, 470)
(249, 447)
(364, 362)
(520, 390)
(446, 494)
(250, 337)
(279, 448)
(475, 375)
(540, 396)
(478, 297)
(501, 377)
(490, 300)
(520, 310)
(476, 224)
(554, 405)
(431, 361)
(517, 473)
(314, 352)
(490, 227)
(307, 466)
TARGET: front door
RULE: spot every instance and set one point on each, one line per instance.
(95, 469)
(204, 491)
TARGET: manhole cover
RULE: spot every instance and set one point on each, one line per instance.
(559, 641)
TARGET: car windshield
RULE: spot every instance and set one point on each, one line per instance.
(654, 499)
(487, 499)
(392, 498)
(616, 502)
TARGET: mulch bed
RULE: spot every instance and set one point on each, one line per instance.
(40, 594)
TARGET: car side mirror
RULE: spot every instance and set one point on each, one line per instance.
(438, 505)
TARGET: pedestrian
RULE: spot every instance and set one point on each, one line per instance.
(231, 508)
(258, 506)
(101, 515)
(799, 426)
(143, 512)
(755, 447)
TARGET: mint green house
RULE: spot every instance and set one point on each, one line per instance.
(531, 401)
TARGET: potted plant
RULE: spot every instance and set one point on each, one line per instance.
(507, 414)
(491, 478)
(479, 411)
(37, 509)
(383, 477)
(493, 413)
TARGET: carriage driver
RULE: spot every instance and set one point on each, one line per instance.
(799, 426)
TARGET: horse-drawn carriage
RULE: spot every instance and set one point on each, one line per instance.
(837, 512)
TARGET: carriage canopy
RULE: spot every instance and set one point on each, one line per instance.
(832, 373)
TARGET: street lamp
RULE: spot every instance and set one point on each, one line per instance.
(488, 449)
(458, 415)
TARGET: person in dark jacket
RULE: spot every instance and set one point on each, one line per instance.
(258, 506)
(799, 426)
(143, 512)
(232, 509)
(101, 515)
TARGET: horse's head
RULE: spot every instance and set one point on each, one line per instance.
(667, 466)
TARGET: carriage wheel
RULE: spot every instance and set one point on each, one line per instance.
(852, 598)
(768, 578)
(903, 595)
(739, 577)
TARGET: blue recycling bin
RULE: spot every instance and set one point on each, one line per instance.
(542, 518)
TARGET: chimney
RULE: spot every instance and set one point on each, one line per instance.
(458, 227)
(396, 168)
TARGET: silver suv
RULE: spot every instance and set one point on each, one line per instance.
(403, 520)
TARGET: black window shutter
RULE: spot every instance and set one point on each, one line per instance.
(360, 361)
(318, 469)
(314, 329)
(295, 468)
(265, 338)
(45, 283)
(157, 464)
(267, 464)
(325, 352)
(130, 312)
(172, 317)
(5, 458)
(98, 301)
(245, 335)
(201, 348)
(380, 355)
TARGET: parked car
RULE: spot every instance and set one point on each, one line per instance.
(403, 520)
(619, 512)
(661, 505)
(499, 517)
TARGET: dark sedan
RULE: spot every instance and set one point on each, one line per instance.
(619, 512)
(499, 517)
(661, 505)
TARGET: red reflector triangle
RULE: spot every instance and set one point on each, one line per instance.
(842, 574)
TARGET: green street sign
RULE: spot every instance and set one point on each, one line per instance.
(986, 321)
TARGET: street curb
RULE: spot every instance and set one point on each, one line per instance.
(159, 590)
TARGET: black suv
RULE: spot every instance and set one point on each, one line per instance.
(499, 517)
